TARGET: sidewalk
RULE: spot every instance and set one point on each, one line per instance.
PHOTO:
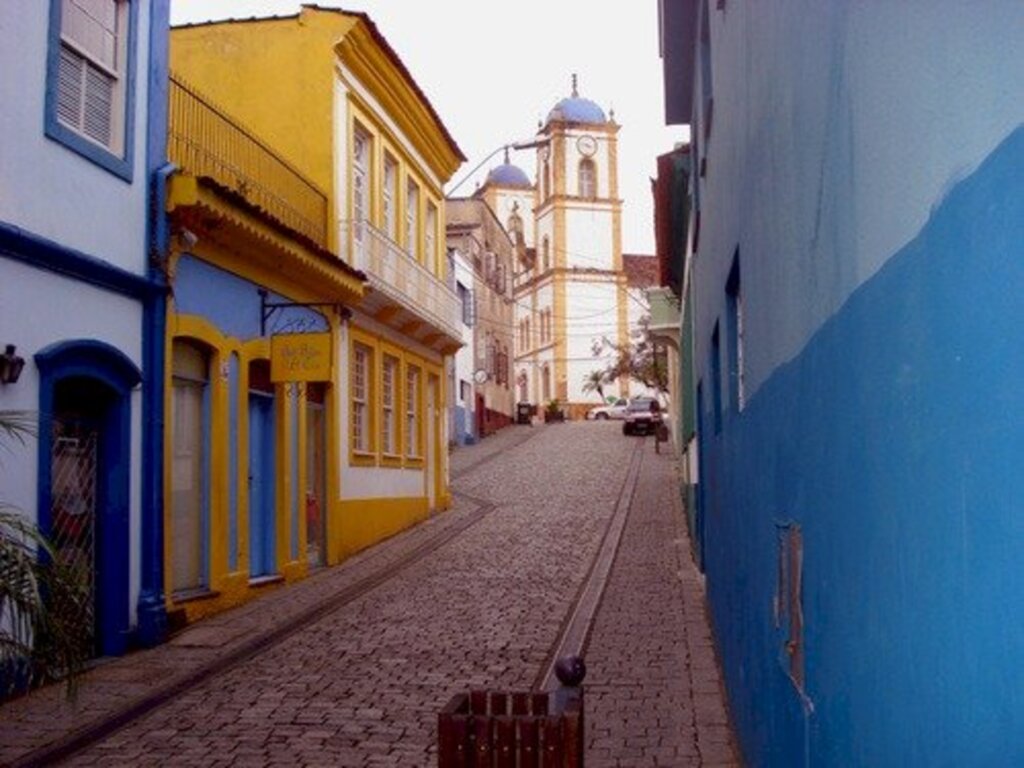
(653, 690)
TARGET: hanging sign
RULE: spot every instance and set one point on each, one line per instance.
(300, 357)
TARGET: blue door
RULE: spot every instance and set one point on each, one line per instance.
(261, 485)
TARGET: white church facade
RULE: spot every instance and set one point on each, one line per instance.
(570, 285)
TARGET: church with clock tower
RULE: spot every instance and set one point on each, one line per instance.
(570, 284)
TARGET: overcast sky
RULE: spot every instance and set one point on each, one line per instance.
(493, 69)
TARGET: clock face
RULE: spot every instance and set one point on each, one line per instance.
(587, 145)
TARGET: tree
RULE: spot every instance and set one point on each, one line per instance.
(640, 359)
(42, 616)
(594, 382)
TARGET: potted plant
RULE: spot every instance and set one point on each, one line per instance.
(553, 412)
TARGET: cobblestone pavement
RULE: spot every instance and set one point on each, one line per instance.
(653, 691)
(361, 684)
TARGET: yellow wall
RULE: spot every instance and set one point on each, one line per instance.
(275, 77)
(365, 522)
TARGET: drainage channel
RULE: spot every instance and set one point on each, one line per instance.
(102, 728)
(575, 632)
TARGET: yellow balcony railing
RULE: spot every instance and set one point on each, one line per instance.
(204, 141)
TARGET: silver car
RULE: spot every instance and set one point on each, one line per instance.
(616, 410)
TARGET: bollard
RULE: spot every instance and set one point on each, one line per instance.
(660, 436)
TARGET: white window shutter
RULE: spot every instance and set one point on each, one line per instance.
(69, 87)
(99, 103)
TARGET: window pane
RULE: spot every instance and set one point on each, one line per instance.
(91, 25)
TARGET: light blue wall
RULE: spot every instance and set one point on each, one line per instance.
(232, 303)
(868, 161)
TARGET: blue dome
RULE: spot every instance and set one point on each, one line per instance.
(575, 109)
(508, 175)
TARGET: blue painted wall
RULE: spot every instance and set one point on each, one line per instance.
(894, 438)
(868, 162)
(232, 303)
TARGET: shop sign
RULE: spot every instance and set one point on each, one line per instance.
(300, 357)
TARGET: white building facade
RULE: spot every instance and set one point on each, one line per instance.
(83, 127)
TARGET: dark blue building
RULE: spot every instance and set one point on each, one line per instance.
(856, 246)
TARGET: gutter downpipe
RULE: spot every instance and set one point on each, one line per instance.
(151, 607)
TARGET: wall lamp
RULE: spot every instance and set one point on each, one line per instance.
(10, 365)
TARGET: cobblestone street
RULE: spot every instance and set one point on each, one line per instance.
(361, 683)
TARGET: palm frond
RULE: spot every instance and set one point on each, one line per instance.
(16, 426)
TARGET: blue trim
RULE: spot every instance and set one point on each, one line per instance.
(101, 362)
(296, 458)
(151, 609)
(233, 381)
(207, 484)
(36, 251)
(122, 166)
(91, 358)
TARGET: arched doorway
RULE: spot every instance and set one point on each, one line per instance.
(85, 469)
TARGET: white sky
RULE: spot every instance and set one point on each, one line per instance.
(493, 69)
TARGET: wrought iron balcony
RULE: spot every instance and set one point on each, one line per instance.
(404, 281)
(206, 142)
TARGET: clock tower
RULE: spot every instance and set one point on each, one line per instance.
(579, 279)
(570, 286)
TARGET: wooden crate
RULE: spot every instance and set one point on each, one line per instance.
(488, 729)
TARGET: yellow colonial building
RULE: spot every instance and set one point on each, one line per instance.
(325, 90)
(255, 312)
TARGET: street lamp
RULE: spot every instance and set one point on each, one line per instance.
(519, 145)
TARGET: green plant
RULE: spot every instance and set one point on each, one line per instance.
(43, 636)
(553, 407)
(594, 382)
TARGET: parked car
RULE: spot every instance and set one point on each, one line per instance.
(616, 410)
(643, 416)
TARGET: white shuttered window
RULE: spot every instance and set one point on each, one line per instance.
(92, 71)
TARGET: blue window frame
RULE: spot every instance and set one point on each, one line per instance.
(90, 82)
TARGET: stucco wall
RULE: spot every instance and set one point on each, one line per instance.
(588, 238)
(47, 188)
(85, 313)
(837, 128)
(591, 313)
(866, 160)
